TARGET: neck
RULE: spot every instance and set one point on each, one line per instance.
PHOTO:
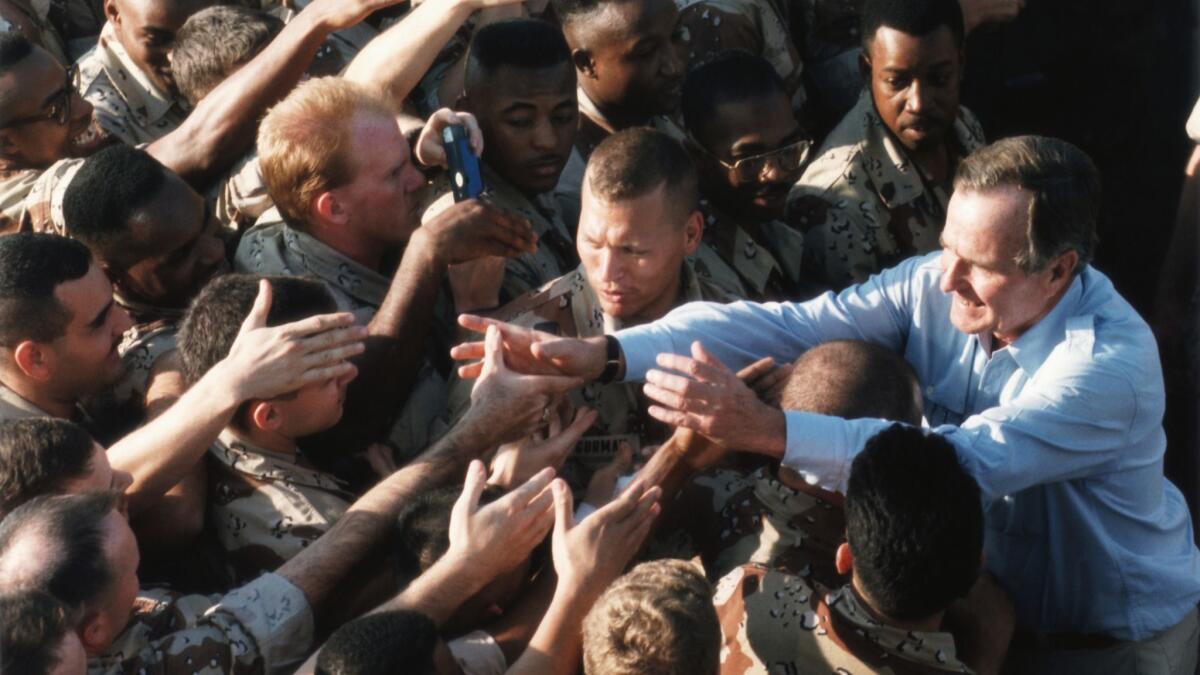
(930, 624)
(367, 253)
(934, 162)
(267, 440)
(47, 402)
(1000, 341)
(615, 118)
(659, 308)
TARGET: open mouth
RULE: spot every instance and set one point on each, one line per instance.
(89, 137)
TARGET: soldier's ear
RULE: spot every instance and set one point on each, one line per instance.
(111, 13)
(843, 560)
(584, 63)
(95, 633)
(693, 232)
(264, 416)
(34, 359)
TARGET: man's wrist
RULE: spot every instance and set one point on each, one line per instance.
(773, 440)
(226, 384)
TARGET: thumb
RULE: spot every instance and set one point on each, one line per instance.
(257, 318)
(564, 514)
(701, 354)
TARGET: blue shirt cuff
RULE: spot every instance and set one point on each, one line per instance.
(821, 447)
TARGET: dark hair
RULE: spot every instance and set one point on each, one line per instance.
(32, 265)
(914, 522)
(14, 48)
(854, 379)
(38, 455)
(32, 627)
(423, 529)
(76, 569)
(635, 162)
(528, 44)
(731, 76)
(102, 198)
(212, 322)
(384, 643)
(1065, 187)
(214, 42)
(914, 17)
(571, 11)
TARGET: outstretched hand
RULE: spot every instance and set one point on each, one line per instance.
(516, 462)
(531, 351)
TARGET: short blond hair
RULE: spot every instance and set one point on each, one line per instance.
(658, 618)
(304, 141)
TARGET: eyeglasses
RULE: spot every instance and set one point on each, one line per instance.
(57, 111)
(786, 161)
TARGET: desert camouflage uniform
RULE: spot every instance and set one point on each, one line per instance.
(128, 105)
(761, 27)
(764, 269)
(240, 197)
(273, 247)
(555, 253)
(31, 199)
(266, 507)
(568, 306)
(772, 622)
(730, 517)
(32, 20)
(863, 205)
(263, 627)
(593, 129)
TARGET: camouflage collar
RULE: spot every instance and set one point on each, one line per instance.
(541, 211)
(854, 624)
(266, 465)
(752, 261)
(146, 101)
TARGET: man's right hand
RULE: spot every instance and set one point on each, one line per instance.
(269, 361)
(474, 229)
(531, 351)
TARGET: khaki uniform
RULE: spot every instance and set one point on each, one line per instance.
(240, 197)
(730, 517)
(760, 27)
(772, 622)
(766, 268)
(593, 129)
(31, 199)
(128, 105)
(863, 205)
(264, 627)
(33, 21)
(273, 247)
(555, 254)
(568, 306)
(266, 507)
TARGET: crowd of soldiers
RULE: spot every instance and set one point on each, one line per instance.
(753, 356)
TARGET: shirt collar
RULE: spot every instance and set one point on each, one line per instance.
(145, 99)
(933, 649)
(1033, 347)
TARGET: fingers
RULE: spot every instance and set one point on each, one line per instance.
(257, 318)
(623, 461)
(550, 384)
(762, 367)
(473, 487)
(473, 131)
(332, 356)
(476, 323)
(675, 418)
(561, 442)
(692, 367)
(564, 514)
(471, 371)
(493, 352)
(337, 370)
(321, 323)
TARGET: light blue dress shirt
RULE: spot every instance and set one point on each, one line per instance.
(1062, 429)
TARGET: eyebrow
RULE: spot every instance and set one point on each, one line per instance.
(99, 320)
(518, 105)
(55, 94)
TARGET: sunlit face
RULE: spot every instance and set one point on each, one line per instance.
(637, 57)
(314, 407)
(529, 119)
(146, 30)
(382, 202)
(121, 547)
(984, 233)
(33, 94)
(633, 252)
(85, 359)
(915, 84)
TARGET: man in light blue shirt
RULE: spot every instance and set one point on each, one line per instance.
(1045, 380)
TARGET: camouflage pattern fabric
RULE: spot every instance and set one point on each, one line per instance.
(27, 197)
(266, 507)
(33, 22)
(265, 627)
(762, 268)
(240, 197)
(863, 205)
(128, 105)
(773, 622)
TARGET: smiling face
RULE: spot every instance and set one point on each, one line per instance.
(146, 30)
(85, 359)
(528, 119)
(915, 84)
(38, 87)
(985, 231)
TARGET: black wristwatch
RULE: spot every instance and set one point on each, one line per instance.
(612, 364)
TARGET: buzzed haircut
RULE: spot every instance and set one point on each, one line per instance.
(657, 618)
(40, 455)
(103, 197)
(14, 48)
(914, 522)
(384, 643)
(32, 265)
(423, 529)
(914, 17)
(636, 162)
(854, 379)
(215, 42)
(32, 627)
(527, 44)
(211, 324)
(731, 76)
(572, 11)
(75, 568)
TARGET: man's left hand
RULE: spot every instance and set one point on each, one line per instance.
(712, 400)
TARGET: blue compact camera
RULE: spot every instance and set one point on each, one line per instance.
(466, 177)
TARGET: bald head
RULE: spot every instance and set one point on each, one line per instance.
(854, 379)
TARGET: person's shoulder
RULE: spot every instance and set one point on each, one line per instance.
(266, 233)
(968, 130)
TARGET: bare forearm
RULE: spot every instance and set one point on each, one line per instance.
(557, 645)
(397, 59)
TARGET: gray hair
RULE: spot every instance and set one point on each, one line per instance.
(1065, 189)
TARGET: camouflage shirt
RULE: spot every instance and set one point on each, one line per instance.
(773, 622)
(555, 253)
(274, 247)
(266, 507)
(240, 197)
(760, 27)
(863, 205)
(264, 627)
(31, 199)
(766, 268)
(128, 105)
(32, 21)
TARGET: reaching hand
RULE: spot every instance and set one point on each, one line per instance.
(766, 379)
(590, 555)
(341, 14)
(713, 401)
(532, 351)
(429, 150)
(603, 484)
(268, 361)
(473, 229)
(515, 462)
